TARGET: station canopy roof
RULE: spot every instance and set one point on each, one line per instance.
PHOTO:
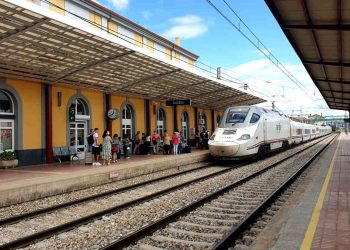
(52, 48)
(319, 31)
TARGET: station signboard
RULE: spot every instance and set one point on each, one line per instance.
(186, 102)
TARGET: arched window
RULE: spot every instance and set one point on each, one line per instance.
(161, 122)
(7, 137)
(80, 106)
(6, 103)
(127, 120)
(185, 124)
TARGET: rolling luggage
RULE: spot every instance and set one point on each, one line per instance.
(187, 149)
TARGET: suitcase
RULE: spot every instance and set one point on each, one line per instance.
(187, 149)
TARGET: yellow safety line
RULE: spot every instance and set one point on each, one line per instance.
(317, 210)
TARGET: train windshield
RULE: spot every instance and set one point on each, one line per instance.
(237, 115)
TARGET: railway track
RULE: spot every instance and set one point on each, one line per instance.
(219, 219)
(45, 233)
(6, 220)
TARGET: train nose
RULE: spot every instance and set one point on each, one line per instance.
(223, 149)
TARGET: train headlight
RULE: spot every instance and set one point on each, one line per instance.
(212, 137)
(244, 137)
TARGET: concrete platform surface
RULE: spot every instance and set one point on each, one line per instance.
(31, 182)
(319, 216)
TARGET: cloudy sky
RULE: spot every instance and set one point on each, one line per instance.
(204, 32)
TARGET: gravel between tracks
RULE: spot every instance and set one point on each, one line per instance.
(30, 206)
(195, 230)
(63, 215)
(101, 232)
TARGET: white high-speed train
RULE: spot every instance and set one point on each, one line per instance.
(249, 130)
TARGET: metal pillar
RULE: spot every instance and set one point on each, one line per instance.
(148, 117)
(196, 119)
(108, 107)
(175, 118)
(48, 123)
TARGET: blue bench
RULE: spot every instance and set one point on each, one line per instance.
(63, 152)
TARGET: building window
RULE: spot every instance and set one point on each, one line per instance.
(161, 122)
(127, 121)
(138, 40)
(57, 6)
(80, 106)
(96, 20)
(185, 124)
(7, 122)
(7, 135)
(150, 45)
(6, 104)
(204, 122)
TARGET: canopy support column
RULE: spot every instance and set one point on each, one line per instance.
(48, 123)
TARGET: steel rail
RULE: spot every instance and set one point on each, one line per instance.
(26, 240)
(142, 232)
(29, 215)
(238, 230)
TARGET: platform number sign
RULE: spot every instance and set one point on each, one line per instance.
(72, 114)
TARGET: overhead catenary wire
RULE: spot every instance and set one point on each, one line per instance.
(260, 46)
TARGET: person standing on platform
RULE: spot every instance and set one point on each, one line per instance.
(106, 148)
(119, 154)
(90, 140)
(126, 146)
(166, 143)
(136, 141)
(95, 149)
(148, 142)
(115, 148)
(155, 141)
(206, 139)
(175, 140)
(197, 139)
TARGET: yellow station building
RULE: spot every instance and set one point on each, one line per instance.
(62, 55)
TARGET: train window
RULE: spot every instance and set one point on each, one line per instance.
(307, 131)
(237, 115)
(299, 131)
(313, 131)
(255, 118)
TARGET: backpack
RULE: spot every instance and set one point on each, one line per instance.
(91, 139)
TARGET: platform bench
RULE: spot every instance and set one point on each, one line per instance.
(60, 152)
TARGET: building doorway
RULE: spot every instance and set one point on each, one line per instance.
(127, 121)
(78, 129)
(77, 135)
(161, 122)
(185, 125)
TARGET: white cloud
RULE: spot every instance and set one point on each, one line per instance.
(266, 80)
(146, 14)
(119, 4)
(186, 27)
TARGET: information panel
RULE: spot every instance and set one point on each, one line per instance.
(178, 102)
